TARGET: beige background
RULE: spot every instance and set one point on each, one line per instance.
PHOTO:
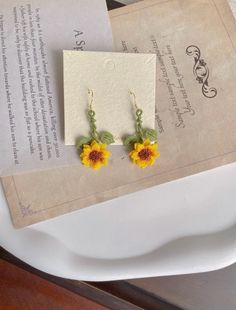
(208, 139)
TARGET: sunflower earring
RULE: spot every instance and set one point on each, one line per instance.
(143, 144)
(94, 153)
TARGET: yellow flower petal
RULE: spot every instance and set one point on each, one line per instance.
(153, 147)
(104, 161)
(103, 146)
(156, 154)
(142, 164)
(86, 146)
(146, 142)
(85, 152)
(86, 162)
(134, 155)
(97, 165)
(138, 147)
(95, 146)
(106, 154)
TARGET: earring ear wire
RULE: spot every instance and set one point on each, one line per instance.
(91, 98)
(133, 98)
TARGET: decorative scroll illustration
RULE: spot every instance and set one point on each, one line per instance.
(201, 71)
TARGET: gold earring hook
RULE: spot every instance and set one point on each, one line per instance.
(134, 101)
(91, 95)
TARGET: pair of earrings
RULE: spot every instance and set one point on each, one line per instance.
(142, 145)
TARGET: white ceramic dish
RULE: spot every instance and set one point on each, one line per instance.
(185, 226)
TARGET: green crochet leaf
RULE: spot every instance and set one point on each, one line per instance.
(82, 141)
(150, 134)
(106, 137)
(130, 140)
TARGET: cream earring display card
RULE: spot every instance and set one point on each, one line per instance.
(33, 34)
(110, 76)
(195, 43)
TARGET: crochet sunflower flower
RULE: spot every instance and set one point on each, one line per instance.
(144, 154)
(143, 143)
(95, 155)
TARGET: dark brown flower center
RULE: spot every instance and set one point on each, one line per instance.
(145, 154)
(95, 156)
